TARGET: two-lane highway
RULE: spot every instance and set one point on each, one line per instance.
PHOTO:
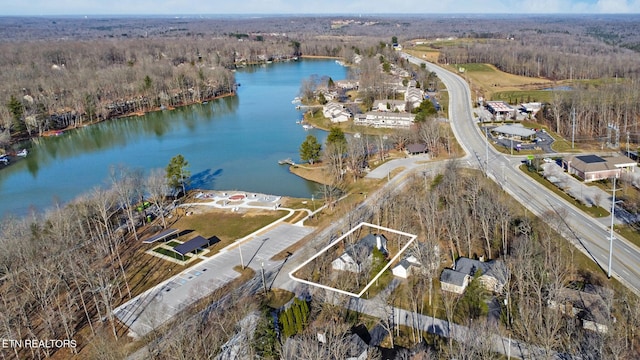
(586, 233)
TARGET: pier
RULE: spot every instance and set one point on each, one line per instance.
(287, 161)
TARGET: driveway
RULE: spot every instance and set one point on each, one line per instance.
(385, 169)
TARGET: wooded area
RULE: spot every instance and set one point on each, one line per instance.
(93, 70)
(64, 271)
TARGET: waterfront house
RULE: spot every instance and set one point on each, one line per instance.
(335, 112)
(378, 119)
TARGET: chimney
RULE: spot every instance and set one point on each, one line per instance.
(378, 242)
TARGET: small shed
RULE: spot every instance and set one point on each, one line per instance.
(406, 267)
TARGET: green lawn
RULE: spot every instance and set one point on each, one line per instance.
(475, 67)
(171, 253)
(173, 243)
(520, 96)
(630, 233)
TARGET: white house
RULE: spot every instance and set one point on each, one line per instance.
(384, 119)
(346, 84)
(406, 267)
(493, 275)
(351, 260)
(335, 112)
(389, 105)
(414, 96)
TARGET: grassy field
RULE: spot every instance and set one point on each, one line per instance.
(494, 84)
(520, 96)
(226, 225)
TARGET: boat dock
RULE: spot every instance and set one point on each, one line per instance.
(287, 161)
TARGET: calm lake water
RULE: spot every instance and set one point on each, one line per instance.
(232, 143)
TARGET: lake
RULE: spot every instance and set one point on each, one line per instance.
(233, 143)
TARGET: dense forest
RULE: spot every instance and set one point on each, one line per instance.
(56, 73)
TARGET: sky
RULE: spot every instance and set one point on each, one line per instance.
(347, 7)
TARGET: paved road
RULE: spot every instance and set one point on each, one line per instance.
(159, 304)
(589, 235)
(408, 163)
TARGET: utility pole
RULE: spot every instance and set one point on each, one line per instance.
(613, 209)
(628, 143)
(264, 281)
(486, 150)
(241, 261)
(573, 131)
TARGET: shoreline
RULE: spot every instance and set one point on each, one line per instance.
(310, 172)
(50, 133)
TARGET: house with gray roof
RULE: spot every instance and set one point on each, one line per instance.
(594, 167)
(413, 96)
(588, 305)
(494, 275)
(416, 149)
(406, 267)
(354, 255)
(336, 112)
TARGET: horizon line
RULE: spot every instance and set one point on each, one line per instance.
(196, 15)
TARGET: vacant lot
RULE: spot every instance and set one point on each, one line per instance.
(488, 81)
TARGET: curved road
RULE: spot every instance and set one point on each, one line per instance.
(583, 231)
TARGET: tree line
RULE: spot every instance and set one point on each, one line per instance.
(68, 268)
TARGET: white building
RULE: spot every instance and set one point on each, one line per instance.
(385, 119)
(363, 250)
(389, 105)
(406, 267)
(336, 112)
(414, 96)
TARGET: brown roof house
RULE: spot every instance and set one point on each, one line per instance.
(493, 276)
(416, 149)
(594, 167)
